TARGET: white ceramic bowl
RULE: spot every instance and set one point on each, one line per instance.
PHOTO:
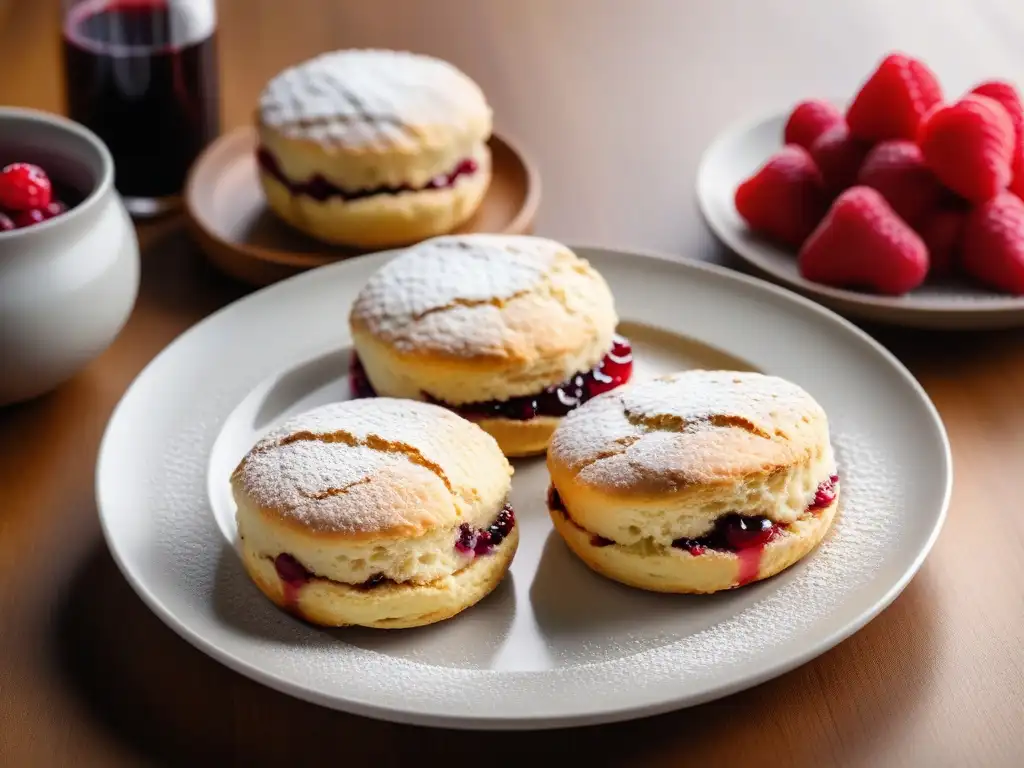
(67, 285)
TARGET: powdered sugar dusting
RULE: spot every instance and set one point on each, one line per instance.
(370, 97)
(447, 294)
(687, 427)
(367, 465)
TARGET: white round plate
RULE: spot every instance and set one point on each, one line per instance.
(736, 154)
(555, 644)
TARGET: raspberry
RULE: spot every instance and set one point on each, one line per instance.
(808, 120)
(942, 231)
(23, 187)
(28, 218)
(893, 101)
(862, 244)
(839, 156)
(785, 198)
(993, 244)
(969, 146)
(897, 170)
(1009, 99)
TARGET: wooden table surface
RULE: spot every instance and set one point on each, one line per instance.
(616, 99)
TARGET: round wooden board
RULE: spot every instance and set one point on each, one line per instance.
(229, 217)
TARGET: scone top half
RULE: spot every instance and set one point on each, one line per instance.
(364, 491)
(368, 119)
(664, 462)
(477, 318)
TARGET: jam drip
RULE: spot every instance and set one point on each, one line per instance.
(613, 371)
(484, 540)
(321, 189)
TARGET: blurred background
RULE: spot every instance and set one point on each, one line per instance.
(614, 99)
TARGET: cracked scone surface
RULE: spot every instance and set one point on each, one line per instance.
(662, 461)
(474, 318)
(373, 491)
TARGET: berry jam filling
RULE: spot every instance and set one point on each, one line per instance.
(613, 371)
(732, 532)
(484, 540)
(825, 494)
(321, 189)
(294, 575)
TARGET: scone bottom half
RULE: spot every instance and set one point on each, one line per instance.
(383, 513)
(499, 540)
(694, 482)
(734, 550)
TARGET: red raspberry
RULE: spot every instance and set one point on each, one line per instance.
(942, 231)
(891, 104)
(785, 199)
(56, 208)
(839, 157)
(863, 245)
(897, 170)
(993, 245)
(24, 186)
(1017, 183)
(969, 146)
(808, 120)
(28, 218)
(1009, 99)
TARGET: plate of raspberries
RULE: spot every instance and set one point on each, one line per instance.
(902, 205)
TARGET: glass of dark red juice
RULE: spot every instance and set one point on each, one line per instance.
(143, 75)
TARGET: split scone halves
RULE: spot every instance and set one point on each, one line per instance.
(511, 332)
(379, 513)
(373, 148)
(694, 482)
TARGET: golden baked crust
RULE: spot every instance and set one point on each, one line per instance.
(518, 439)
(667, 569)
(374, 470)
(662, 460)
(472, 318)
(384, 220)
(370, 118)
(386, 606)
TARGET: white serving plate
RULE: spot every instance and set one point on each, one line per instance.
(555, 644)
(736, 154)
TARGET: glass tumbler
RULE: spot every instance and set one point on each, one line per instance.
(143, 76)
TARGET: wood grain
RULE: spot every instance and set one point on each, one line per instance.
(615, 99)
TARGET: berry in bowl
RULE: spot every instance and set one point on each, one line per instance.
(900, 203)
(69, 258)
(27, 197)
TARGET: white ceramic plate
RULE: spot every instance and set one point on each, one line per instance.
(736, 154)
(556, 644)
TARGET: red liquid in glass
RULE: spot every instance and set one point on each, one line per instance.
(142, 74)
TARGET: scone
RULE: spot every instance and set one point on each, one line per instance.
(511, 332)
(373, 148)
(694, 482)
(378, 513)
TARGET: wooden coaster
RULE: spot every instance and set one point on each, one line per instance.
(229, 217)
